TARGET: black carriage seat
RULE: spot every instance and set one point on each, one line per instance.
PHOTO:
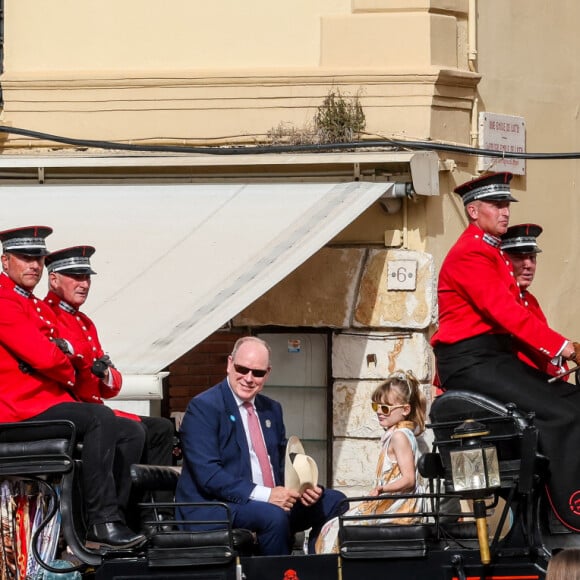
(511, 431)
(383, 541)
(170, 546)
(396, 541)
(47, 452)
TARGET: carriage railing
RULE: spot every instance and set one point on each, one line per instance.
(191, 542)
(436, 514)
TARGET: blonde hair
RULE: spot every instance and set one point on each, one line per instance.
(407, 391)
(564, 565)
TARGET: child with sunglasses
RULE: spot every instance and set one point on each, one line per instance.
(400, 406)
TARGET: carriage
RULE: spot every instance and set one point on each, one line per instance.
(485, 455)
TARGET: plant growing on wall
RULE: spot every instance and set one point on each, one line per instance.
(340, 118)
(288, 134)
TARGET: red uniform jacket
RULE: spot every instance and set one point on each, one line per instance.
(81, 332)
(478, 294)
(25, 327)
(532, 357)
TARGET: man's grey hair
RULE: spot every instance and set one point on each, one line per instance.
(255, 339)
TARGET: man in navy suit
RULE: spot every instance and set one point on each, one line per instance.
(220, 463)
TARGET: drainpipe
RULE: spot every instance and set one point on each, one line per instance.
(1, 47)
(405, 224)
(472, 35)
(474, 123)
(472, 63)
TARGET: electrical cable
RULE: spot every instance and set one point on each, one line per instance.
(262, 149)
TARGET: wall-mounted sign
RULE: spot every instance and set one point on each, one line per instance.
(401, 275)
(294, 345)
(502, 133)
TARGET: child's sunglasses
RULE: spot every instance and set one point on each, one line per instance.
(385, 409)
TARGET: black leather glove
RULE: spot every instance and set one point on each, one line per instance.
(62, 344)
(100, 366)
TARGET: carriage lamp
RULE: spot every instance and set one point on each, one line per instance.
(474, 471)
(474, 465)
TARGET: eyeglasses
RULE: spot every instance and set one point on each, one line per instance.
(385, 409)
(258, 373)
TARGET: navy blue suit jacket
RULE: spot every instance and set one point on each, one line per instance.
(216, 457)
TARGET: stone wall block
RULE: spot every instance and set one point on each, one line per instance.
(351, 409)
(381, 306)
(376, 355)
(354, 465)
(320, 293)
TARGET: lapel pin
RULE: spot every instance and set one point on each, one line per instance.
(232, 419)
(268, 423)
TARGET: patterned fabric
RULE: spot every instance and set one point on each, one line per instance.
(49, 538)
(8, 531)
(386, 472)
(22, 533)
(33, 566)
(22, 509)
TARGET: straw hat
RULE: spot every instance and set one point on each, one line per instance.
(301, 471)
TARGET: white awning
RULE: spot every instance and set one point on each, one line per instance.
(176, 262)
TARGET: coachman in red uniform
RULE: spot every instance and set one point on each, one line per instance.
(37, 379)
(69, 279)
(520, 243)
(482, 315)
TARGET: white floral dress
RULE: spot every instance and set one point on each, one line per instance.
(387, 471)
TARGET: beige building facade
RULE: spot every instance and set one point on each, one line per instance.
(231, 75)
